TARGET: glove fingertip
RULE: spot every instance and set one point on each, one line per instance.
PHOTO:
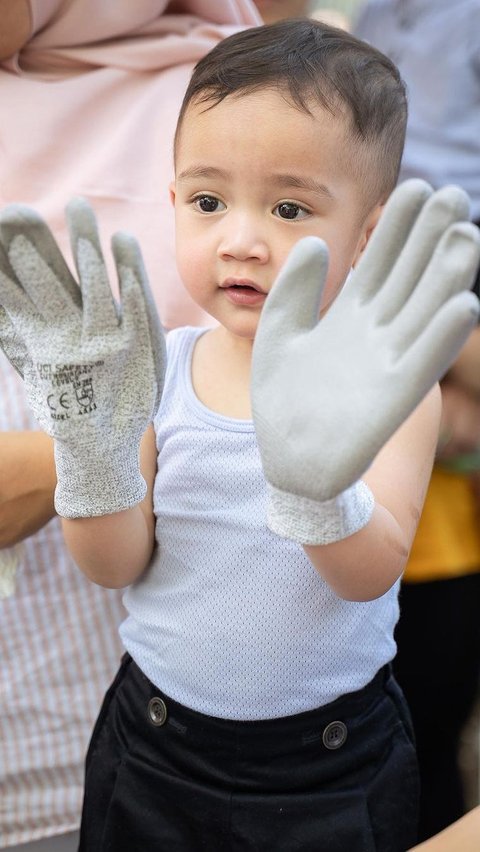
(82, 225)
(294, 300)
(19, 215)
(126, 250)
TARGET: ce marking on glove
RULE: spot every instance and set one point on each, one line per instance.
(58, 406)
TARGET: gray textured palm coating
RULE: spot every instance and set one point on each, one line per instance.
(327, 394)
(93, 370)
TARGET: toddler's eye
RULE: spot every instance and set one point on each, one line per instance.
(289, 210)
(208, 204)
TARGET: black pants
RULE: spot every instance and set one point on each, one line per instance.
(438, 666)
(162, 777)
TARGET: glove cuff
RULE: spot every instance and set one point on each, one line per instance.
(312, 522)
(97, 480)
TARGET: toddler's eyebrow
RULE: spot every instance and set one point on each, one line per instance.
(283, 180)
(299, 182)
(200, 171)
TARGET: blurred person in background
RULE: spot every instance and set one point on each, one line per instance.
(435, 45)
(89, 96)
(277, 10)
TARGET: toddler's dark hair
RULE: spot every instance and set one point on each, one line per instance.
(308, 61)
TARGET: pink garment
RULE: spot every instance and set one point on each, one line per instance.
(88, 107)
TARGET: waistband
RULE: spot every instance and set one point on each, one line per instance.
(158, 710)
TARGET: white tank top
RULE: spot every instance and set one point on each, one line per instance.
(230, 619)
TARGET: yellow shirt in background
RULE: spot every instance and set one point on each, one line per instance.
(447, 543)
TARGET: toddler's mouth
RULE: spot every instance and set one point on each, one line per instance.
(242, 291)
(242, 284)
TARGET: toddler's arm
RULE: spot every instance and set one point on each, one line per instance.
(113, 550)
(364, 565)
(329, 396)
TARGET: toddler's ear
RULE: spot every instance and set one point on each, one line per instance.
(172, 192)
(368, 227)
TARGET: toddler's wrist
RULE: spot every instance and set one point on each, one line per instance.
(313, 522)
(98, 480)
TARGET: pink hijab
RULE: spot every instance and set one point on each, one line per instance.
(88, 107)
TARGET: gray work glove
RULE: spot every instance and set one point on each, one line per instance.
(327, 394)
(93, 370)
(11, 344)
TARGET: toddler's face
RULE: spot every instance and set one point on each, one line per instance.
(254, 174)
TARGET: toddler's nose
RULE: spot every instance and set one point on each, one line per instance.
(242, 240)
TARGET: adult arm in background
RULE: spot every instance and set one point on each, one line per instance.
(466, 369)
(16, 24)
(460, 431)
(460, 428)
(27, 484)
(464, 835)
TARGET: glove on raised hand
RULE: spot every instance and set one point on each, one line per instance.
(93, 370)
(327, 394)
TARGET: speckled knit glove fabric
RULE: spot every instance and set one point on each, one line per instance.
(328, 394)
(11, 344)
(93, 370)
